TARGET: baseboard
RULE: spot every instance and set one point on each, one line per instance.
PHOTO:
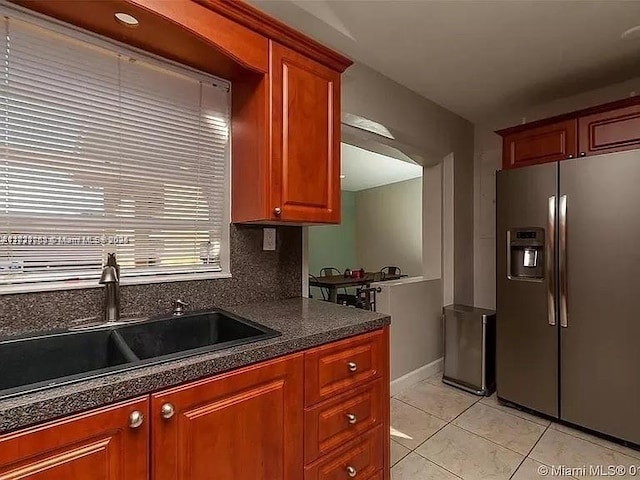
(416, 376)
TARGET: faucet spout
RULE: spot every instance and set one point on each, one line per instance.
(110, 278)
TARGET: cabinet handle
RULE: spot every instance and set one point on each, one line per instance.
(277, 211)
(352, 472)
(583, 154)
(352, 418)
(570, 155)
(136, 419)
(167, 411)
(353, 366)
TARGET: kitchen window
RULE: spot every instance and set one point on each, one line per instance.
(107, 149)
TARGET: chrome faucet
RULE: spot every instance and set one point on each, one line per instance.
(110, 278)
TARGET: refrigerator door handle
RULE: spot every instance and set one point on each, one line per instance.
(562, 211)
(551, 260)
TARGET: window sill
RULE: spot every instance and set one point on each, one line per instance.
(93, 283)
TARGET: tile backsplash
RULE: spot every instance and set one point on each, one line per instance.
(257, 276)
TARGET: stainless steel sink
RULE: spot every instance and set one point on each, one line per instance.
(35, 363)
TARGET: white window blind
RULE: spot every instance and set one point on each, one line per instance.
(105, 149)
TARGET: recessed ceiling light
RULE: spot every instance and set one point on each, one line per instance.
(126, 19)
(632, 34)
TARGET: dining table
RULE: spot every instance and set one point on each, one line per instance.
(333, 282)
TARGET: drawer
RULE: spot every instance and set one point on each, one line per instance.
(375, 476)
(337, 367)
(361, 458)
(340, 420)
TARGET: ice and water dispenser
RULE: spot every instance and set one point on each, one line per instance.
(525, 254)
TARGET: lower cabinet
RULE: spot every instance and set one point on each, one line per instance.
(255, 423)
(110, 443)
(245, 425)
(361, 458)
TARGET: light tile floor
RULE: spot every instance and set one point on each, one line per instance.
(442, 433)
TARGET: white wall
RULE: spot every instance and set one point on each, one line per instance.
(389, 227)
(415, 307)
(436, 132)
(488, 159)
(432, 222)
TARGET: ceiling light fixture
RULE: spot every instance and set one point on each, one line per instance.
(631, 34)
(126, 19)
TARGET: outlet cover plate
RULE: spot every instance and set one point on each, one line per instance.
(269, 239)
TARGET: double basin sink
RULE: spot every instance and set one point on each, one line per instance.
(39, 362)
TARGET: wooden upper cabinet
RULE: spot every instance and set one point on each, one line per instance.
(547, 143)
(110, 443)
(610, 131)
(608, 128)
(244, 425)
(305, 111)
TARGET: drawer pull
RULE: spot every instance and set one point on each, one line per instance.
(352, 472)
(352, 418)
(136, 419)
(167, 411)
(353, 366)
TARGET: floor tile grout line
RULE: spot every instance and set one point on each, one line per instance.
(494, 442)
(514, 415)
(527, 455)
(550, 425)
(443, 386)
(442, 428)
(594, 443)
(428, 413)
(426, 439)
(437, 464)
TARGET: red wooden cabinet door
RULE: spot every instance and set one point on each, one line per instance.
(611, 131)
(97, 445)
(547, 143)
(244, 425)
(305, 156)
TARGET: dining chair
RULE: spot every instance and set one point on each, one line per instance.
(325, 295)
(391, 270)
(329, 271)
(344, 298)
(367, 297)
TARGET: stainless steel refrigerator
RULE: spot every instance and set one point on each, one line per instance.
(568, 291)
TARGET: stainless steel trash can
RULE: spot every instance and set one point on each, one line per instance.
(469, 348)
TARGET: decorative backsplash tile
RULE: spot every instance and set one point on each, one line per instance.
(257, 276)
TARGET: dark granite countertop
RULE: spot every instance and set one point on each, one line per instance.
(304, 323)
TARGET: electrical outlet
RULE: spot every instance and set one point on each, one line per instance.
(269, 239)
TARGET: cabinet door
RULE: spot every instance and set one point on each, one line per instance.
(244, 425)
(548, 143)
(305, 106)
(97, 445)
(611, 131)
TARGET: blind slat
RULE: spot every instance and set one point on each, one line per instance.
(105, 150)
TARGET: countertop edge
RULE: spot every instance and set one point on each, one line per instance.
(39, 407)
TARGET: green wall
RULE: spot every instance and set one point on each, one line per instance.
(335, 245)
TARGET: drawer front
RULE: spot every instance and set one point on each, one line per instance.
(338, 367)
(338, 421)
(375, 476)
(359, 459)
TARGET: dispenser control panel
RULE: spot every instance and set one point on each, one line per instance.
(525, 254)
